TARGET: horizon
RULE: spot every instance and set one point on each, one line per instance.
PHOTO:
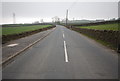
(27, 12)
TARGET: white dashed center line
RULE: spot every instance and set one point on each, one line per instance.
(66, 55)
(12, 45)
(63, 35)
(65, 48)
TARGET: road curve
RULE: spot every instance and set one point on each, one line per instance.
(64, 54)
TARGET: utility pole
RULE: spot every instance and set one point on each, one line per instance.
(14, 21)
(66, 17)
(41, 21)
(73, 19)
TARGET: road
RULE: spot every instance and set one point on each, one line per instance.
(64, 54)
(14, 47)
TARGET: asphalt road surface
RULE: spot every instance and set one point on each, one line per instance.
(64, 54)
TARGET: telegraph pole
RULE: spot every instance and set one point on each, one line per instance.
(66, 17)
(14, 21)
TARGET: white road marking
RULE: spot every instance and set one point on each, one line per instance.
(66, 55)
(63, 35)
(12, 45)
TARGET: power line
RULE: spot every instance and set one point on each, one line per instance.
(72, 4)
(69, 9)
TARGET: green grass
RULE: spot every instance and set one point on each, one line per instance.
(109, 45)
(113, 26)
(16, 30)
(102, 42)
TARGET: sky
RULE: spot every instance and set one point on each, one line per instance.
(60, 0)
(27, 12)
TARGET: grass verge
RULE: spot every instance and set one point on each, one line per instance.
(100, 41)
(10, 37)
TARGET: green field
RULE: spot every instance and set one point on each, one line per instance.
(113, 26)
(16, 30)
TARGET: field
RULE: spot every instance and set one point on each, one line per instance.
(113, 26)
(16, 30)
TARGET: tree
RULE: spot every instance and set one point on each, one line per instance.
(56, 20)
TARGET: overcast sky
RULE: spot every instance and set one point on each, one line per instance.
(34, 11)
(60, 0)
